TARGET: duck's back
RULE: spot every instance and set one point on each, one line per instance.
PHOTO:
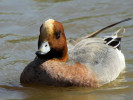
(103, 60)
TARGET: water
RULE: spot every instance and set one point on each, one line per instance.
(19, 29)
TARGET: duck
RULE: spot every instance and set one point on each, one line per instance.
(86, 62)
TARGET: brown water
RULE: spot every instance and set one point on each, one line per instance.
(19, 29)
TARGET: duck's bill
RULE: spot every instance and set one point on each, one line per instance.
(43, 49)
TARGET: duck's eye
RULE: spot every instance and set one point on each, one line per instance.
(58, 34)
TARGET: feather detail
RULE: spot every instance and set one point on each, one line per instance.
(115, 39)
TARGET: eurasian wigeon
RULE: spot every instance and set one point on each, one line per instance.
(88, 62)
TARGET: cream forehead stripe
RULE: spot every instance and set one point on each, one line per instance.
(48, 25)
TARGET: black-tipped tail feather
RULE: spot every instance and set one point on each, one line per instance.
(115, 39)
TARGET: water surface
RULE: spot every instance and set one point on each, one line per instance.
(19, 29)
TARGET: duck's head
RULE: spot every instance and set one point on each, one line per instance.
(52, 41)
